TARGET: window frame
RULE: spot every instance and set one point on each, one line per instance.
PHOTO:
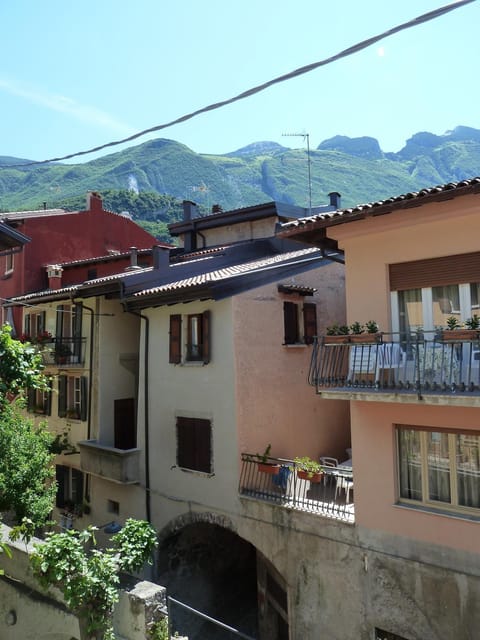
(293, 324)
(72, 397)
(71, 486)
(182, 334)
(453, 504)
(9, 263)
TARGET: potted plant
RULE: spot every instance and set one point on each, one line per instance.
(455, 331)
(264, 466)
(308, 469)
(365, 333)
(337, 334)
(62, 352)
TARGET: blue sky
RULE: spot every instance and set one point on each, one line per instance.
(77, 75)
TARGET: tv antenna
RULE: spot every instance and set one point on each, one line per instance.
(307, 136)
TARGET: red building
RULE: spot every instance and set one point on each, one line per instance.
(68, 247)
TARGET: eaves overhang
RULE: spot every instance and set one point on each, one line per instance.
(11, 239)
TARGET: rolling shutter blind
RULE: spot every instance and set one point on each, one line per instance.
(175, 351)
(309, 321)
(435, 272)
(290, 320)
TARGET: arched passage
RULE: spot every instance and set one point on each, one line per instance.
(205, 564)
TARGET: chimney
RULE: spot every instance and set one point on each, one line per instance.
(133, 260)
(190, 211)
(54, 273)
(161, 257)
(335, 198)
(94, 201)
(217, 208)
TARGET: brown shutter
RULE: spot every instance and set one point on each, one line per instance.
(206, 337)
(290, 321)
(175, 352)
(194, 444)
(435, 272)
(309, 321)
(48, 408)
(62, 396)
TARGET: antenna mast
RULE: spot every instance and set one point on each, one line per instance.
(307, 136)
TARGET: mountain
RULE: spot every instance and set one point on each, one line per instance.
(169, 172)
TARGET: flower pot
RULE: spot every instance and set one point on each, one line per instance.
(366, 338)
(272, 469)
(448, 335)
(343, 339)
(313, 477)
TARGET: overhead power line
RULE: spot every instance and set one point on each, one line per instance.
(425, 17)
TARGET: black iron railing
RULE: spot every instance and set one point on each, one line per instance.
(63, 351)
(418, 363)
(278, 481)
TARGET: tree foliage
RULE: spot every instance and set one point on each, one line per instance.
(21, 365)
(89, 579)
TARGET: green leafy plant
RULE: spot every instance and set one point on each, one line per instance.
(89, 579)
(371, 326)
(453, 323)
(263, 457)
(337, 330)
(473, 322)
(21, 366)
(356, 328)
(307, 464)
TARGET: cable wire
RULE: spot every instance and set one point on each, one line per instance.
(425, 17)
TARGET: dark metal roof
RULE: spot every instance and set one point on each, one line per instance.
(311, 229)
(295, 288)
(11, 238)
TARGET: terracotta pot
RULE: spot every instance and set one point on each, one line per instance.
(313, 477)
(343, 339)
(366, 338)
(272, 469)
(459, 334)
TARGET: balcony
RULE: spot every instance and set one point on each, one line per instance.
(277, 482)
(399, 369)
(117, 465)
(63, 352)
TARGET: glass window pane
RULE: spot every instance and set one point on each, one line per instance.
(438, 462)
(410, 310)
(468, 470)
(446, 303)
(410, 464)
(474, 298)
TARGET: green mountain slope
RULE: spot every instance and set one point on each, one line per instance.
(263, 171)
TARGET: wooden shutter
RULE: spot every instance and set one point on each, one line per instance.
(77, 329)
(31, 400)
(77, 486)
(309, 322)
(27, 324)
(62, 396)
(42, 322)
(83, 397)
(290, 321)
(124, 423)
(175, 351)
(194, 444)
(60, 477)
(48, 406)
(206, 337)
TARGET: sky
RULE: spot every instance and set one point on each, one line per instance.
(76, 75)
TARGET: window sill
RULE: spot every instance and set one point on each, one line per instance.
(438, 511)
(296, 345)
(193, 363)
(197, 472)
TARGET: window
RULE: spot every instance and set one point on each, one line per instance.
(39, 401)
(9, 262)
(68, 333)
(197, 338)
(72, 397)
(70, 487)
(439, 468)
(194, 444)
(291, 322)
(35, 324)
(113, 507)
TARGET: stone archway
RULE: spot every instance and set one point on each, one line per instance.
(205, 564)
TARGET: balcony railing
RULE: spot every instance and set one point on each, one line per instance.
(278, 482)
(414, 364)
(63, 352)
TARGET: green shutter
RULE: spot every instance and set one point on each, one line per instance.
(62, 396)
(206, 337)
(83, 397)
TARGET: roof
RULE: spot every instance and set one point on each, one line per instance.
(10, 238)
(305, 228)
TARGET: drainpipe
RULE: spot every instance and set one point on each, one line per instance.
(147, 410)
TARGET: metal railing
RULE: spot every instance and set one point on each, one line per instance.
(63, 352)
(278, 482)
(417, 363)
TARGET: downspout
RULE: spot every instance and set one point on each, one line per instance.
(147, 409)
